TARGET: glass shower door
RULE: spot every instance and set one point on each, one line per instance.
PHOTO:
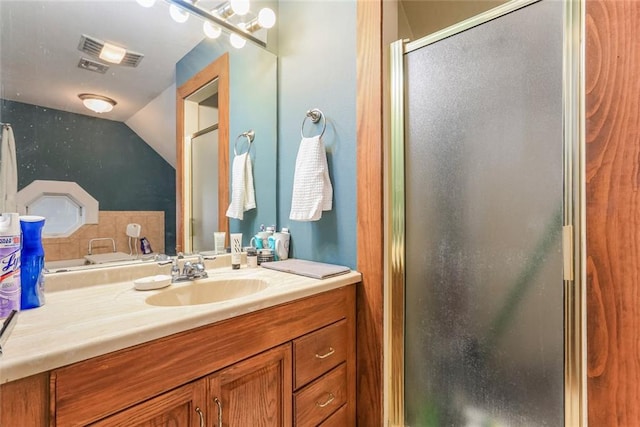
(484, 203)
(204, 188)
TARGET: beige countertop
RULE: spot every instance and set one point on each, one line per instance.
(78, 323)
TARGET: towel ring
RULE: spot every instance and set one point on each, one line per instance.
(315, 115)
(250, 134)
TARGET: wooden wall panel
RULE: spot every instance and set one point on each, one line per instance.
(25, 402)
(613, 211)
(370, 213)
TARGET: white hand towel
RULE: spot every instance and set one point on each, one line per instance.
(243, 195)
(8, 172)
(312, 190)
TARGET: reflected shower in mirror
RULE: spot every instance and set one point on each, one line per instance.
(204, 151)
(125, 158)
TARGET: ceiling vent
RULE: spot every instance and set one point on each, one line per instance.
(93, 47)
(89, 65)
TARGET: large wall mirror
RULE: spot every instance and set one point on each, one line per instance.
(126, 158)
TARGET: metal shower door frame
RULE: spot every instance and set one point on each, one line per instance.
(574, 230)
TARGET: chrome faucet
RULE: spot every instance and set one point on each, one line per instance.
(175, 269)
(190, 271)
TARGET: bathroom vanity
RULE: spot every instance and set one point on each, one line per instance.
(282, 356)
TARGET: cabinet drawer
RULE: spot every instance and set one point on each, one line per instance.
(318, 352)
(321, 398)
(340, 418)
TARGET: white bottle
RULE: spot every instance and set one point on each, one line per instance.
(9, 263)
(236, 250)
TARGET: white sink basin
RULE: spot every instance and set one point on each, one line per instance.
(206, 291)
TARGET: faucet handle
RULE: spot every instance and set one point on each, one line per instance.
(175, 269)
(188, 269)
(199, 266)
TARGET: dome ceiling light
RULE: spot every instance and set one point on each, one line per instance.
(97, 103)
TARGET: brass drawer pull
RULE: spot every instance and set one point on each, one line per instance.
(219, 405)
(329, 400)
(327, 354)
(201, 415)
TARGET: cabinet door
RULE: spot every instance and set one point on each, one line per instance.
(177, 408)
(255, 392)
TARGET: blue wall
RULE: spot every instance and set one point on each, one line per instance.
(104, 157)
(252, 105)
(317, 68)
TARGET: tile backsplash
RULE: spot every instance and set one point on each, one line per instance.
(111, 224)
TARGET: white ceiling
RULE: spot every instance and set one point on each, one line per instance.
(39, 52)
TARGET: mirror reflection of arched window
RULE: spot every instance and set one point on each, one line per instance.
(63, 214)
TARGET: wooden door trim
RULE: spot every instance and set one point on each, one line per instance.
(370, 223)
(612, 84)
(217, 69)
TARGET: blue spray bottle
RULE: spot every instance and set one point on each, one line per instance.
(32, 260)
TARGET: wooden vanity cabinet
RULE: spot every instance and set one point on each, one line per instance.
(292, 364)
(256, 392)
(183, 406)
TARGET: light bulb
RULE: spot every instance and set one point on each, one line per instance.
(210, 30)
(146, 3)
(237, 41)
(112, 53)
(240, 7)
(266, 18)
(178, 14)
(97, 103)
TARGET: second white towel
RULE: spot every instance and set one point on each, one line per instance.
(8, 171)
(243, 195)
(312, 189)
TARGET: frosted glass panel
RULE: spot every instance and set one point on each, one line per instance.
(63, 215)
(204, 174)
(484, 191)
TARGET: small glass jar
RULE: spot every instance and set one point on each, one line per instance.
(252, 257)
(265, 255)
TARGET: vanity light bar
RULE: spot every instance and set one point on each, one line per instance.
(185, 5)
